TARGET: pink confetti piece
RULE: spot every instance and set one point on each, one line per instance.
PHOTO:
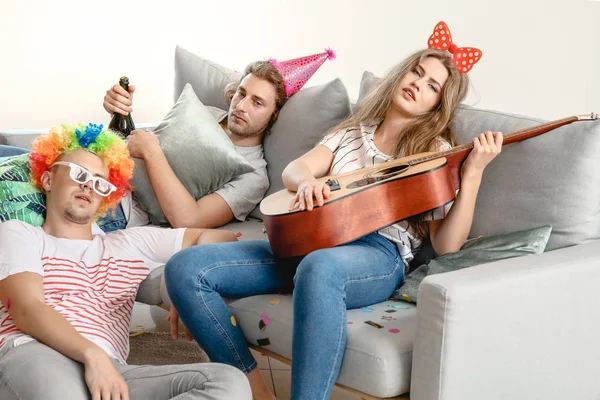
(394, 330)
(265, 319)
(239, 234)
(350, 322)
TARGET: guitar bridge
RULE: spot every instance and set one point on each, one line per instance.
(333, 184)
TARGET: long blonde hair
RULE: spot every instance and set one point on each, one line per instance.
(421, 134)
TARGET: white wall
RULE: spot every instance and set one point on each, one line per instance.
(541, 57)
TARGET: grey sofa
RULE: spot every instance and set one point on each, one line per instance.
(524, 328)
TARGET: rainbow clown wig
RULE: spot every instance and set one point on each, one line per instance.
(109, 146)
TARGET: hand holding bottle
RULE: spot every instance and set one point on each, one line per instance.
(119, 100)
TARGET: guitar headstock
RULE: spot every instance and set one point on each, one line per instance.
(588, 117)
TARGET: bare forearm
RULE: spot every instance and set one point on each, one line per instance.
(174, 199)
(49, 327)
(455, 228)
(295, 173)
(451, 234)
(211, 236)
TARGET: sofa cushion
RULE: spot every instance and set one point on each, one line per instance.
(376, 361)
(476, 251)
(367, 82)
(545, 180)
(198, 151)
(208, 79)
(251, 229)
(548, 179)
(20, 137)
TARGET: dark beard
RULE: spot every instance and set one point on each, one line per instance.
(78, 219)
(245, 133)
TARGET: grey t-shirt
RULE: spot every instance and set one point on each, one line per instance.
(242, 193)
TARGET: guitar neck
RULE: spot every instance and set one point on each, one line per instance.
(516, 136)
(458, 154)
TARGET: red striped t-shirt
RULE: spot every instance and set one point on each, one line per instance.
(91, 283)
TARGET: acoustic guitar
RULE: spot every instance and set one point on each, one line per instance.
(369, 199)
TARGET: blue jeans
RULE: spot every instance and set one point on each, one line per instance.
(325, 284)
(7, 151)
(113, 220)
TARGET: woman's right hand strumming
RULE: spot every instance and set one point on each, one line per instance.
(310, 190)
(299, 176)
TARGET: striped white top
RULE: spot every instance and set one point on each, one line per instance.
(91, 283)
(354, 148)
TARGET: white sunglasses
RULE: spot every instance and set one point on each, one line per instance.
(81, 175)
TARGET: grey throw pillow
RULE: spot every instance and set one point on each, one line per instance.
(208, 79)
(548, 179)
(302, 122)
(475, 252)
(367, 82)
(198, 150)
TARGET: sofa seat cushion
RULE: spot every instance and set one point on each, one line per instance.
(251, 229)
(377, 360)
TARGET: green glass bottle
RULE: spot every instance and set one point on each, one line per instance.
(122, 123)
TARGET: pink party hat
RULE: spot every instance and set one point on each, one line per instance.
(298, 71)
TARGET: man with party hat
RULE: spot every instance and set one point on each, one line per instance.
(255, 101)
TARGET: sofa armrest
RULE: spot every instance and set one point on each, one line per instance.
(523, 328)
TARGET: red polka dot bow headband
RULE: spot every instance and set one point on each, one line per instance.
(463, 57)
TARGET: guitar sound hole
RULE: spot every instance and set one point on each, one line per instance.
(388, 172)
(378, 176)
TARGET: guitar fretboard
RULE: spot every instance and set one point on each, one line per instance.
(522, 132)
